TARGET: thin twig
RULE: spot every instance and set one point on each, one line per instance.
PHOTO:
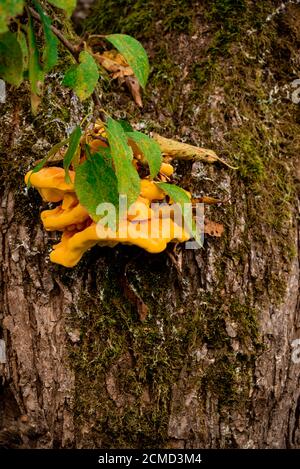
(102, 139)
(96, 35)
(73, 49)
(97, 103)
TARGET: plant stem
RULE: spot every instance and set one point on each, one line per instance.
(75, 50)
(97, 104)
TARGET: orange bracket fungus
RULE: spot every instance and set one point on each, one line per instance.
(107, 163)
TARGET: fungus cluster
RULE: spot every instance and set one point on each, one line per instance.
(143, 226)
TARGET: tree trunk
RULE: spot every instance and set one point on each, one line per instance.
(188, 348)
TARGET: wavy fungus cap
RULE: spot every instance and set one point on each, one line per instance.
(50, 182)
(154, 240)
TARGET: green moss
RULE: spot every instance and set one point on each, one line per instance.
(228, 17)
(139, 18)
(251, 166)
(222, 381)
(202, 72)
(164, 71)
(230, 375)
(223, 11)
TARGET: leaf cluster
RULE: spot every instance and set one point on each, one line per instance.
(21, 56)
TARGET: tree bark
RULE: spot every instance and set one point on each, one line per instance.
(210, 365)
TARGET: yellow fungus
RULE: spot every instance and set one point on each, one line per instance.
(154, 240)
(151, 191)
(73, 245)
(166, 169)
(59, 219)
(150, 228)
(140, 210)
(96, 144)
(50, 182)
(69, 200)
(50, 195)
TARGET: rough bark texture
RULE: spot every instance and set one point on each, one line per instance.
(210, 366)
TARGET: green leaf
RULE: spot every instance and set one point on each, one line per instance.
(36, 74)
(134, 54)
(96, 183)
(50, 54)
(180, 197)
(176, 193)
(128, 179)
(105, 153)
(74, 141)
(149, 149)
(125, 125)
(67, 5)
(9, 9)
(23, 44)
(51, 152)
(11, 59)
(82, 78)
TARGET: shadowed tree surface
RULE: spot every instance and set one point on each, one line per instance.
(210, 365)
